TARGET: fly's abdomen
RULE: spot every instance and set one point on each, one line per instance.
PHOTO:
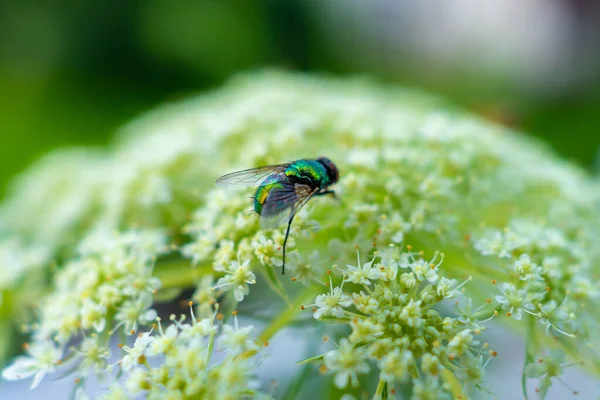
(262, 193)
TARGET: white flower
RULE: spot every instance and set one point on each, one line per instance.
(200, 248)
(364, 329)
(268, 252)
(134, 312)
(137, 381)
(95, 354)
(166, 339)
(93, 315)
(493, 244)
(446, 288)
(365, 303)
(361, 214)
(332, 303)
(237, 340)
(396, 365)
(412, 314)
(224, 254)
(408, 280)
(423, 270)
(394, 226)
(512, 299)
(306, 270)
(238, 277)
(459, 343)
(347, 362)
(140, 282)
(526, 268)
(108, 294)
(135, 354)
(203, 327)
(361, 275)
(42, 358)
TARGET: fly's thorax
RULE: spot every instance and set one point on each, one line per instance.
(307, 172)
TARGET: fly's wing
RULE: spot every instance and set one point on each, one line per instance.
(283, 202)
(252, 176)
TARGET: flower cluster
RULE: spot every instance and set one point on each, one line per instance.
(413, 171)
(175, 362)
(109, 286)
(393, 310)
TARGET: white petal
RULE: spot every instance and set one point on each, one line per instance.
(38, 378)
(238, 293)
(341, 379)
(320, 311)
(337, 311)
(100, 325)
(22, 368)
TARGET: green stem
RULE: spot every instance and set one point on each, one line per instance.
(380, 392)
(453, 383)
(530, 349)
(283, 319)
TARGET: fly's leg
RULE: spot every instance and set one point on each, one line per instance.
(287, 233)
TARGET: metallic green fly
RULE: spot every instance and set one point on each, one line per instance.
(283, 189)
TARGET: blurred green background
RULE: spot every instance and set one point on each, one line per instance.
(72, 72)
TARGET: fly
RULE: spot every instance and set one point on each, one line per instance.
(285, 188)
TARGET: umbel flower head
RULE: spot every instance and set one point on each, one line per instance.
(446, 226)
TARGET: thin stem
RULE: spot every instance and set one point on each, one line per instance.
(454, 383)
(380, 392)
(287, 314)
